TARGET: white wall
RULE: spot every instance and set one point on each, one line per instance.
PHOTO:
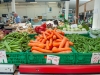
(81, 9)
(90, 5)
(32, 10)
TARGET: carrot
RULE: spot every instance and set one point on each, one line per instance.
(57, 35)
(50, 36)
(41, 50)
(34, 51)
(50, 44)
(32, 41)
(71, 43)
(56, 44)
(55, 29)
(40, 40)
(37, 44)
(63, 42)
(54, 37)
(56, 50)
(63, 52)
(44, 40)
(44, 36)
(47, 45)
(67, 44)
(47, 33)
(58, 40)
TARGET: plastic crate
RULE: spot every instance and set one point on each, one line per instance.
(32, 35)
(16, 58)
(39, 59)
(83, 58)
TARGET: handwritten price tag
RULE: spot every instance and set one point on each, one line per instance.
(55, 60)
(95, 58)
(3, 58)
(51, 59)
(74, 26)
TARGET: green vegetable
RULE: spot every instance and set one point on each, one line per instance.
(84, 44)
(15, 42)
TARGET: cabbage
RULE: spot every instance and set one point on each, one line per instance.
(72, 29)
(79, 26)
(83, 29)
(76, 29)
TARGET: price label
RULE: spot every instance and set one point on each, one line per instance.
(3, 58)
(74, 26)
(95, 58)
(55, 60)
(51, 59)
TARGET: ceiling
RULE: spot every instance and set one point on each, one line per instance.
(72, 3)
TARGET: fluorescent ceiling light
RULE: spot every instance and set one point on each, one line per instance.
(33, 2)
(51, 2)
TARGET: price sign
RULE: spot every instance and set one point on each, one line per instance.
(55, 60)
(95, 58)
(74, 26)
(51, 59)
(3, 58)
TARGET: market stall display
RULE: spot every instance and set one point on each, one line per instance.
(15, 45)
(51, 42)
(85, 48)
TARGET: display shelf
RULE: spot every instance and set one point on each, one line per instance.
(59, 69)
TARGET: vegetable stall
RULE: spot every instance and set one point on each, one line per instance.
(28, 45)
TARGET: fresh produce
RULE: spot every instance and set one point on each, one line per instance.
(84, 44)
(51, 41)
(15, 42)
(38, 29)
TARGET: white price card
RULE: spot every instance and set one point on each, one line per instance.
(74, 26)
(55, 60)
(49, 59)
(3, 58)
(52, 59)
(95, 58)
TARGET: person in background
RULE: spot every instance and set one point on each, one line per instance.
(17, 18)
(0, 19)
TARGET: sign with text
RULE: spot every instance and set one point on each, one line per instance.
(3, 58)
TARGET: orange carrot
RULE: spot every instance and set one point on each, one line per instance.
(54, 37)
(50, 44)
(67, 44)
(56, 50)
(50, 36)
(37, 44)
(41, 50)
(44, 41)
(71, 43)
(44, 36)
(56, 44)
(58, 40)
(63, 52)
(57, 35)
(63, 42)
(32, 41)
(47, 45)
(34, 51)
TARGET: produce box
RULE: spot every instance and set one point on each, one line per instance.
(16, 58)
(40, 59)
(87, 49)
(32, 35)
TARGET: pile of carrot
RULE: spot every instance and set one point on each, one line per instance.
(51, 41)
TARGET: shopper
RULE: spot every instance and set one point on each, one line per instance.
(17, 18)
(0, 20)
